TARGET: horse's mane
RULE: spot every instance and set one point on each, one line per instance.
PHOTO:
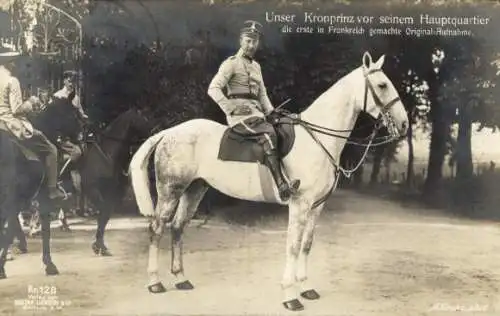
(338, 86)
(116, 121)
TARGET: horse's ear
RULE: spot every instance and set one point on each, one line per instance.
(380, 62)
(367, 60)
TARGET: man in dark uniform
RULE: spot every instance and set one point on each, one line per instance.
(247, 103)
(69, 101)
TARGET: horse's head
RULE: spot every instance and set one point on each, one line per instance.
(116, 141)
(140, 123)
(381, 99)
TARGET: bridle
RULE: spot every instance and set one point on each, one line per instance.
(100, 135)
(384, 116)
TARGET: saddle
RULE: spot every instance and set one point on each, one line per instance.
(234, 147)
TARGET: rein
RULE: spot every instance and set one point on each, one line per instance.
(311, 128)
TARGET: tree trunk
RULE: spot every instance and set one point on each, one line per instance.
(358, 177)
(410, 172)
(439, 135)
(464, 149)
(377, 162)
(437, 154)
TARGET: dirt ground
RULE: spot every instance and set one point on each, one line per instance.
(370, 257)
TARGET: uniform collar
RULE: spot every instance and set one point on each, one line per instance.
(5, 71)
(62, 93)
(241, 54)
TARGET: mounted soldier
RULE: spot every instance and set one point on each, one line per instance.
(68, 102)
(13, 120)
(247, 104)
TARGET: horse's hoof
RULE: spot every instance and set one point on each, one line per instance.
(293, 305)
(65, 229)
(105, 252)
(3, 275)
(51, 269)
(20, 250)
(310, 295)
(157, 288)
(100, 250)
(184, 286)
(33, 234)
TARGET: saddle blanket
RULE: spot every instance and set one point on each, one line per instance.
(234, 147)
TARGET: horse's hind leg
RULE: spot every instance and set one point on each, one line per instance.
(105, 203)
(168, 199)
(188, 206)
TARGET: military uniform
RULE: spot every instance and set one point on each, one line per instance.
(242, 77)
(13, 119)
(70, 143)
(245, 87)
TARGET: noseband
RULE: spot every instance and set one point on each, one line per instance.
(385, 114)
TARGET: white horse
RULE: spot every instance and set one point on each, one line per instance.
(186, 164)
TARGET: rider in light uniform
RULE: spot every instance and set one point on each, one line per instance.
(247, 103)
(13, 118)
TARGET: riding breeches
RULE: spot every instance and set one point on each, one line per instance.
(47, 152)
(259, 129)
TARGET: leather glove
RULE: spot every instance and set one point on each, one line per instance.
(36, 104)
(273, 117)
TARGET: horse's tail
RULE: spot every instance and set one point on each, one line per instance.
(138, 171)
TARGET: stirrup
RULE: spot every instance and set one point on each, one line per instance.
(294, 186)
(286, 190)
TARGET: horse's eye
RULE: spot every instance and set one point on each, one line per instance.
(382, 85)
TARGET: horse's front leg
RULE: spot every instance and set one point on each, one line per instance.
(105, 208)
(307, 291)
(296, 225)
(50, 267)
(99, 246)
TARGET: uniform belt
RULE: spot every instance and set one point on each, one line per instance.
(243, 96)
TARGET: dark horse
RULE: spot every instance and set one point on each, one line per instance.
(104, 164)
(102, 169)
(21, 180)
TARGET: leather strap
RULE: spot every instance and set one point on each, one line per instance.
(243, 96)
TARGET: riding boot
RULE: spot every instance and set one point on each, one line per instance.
(285, 189)
(51, 168)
